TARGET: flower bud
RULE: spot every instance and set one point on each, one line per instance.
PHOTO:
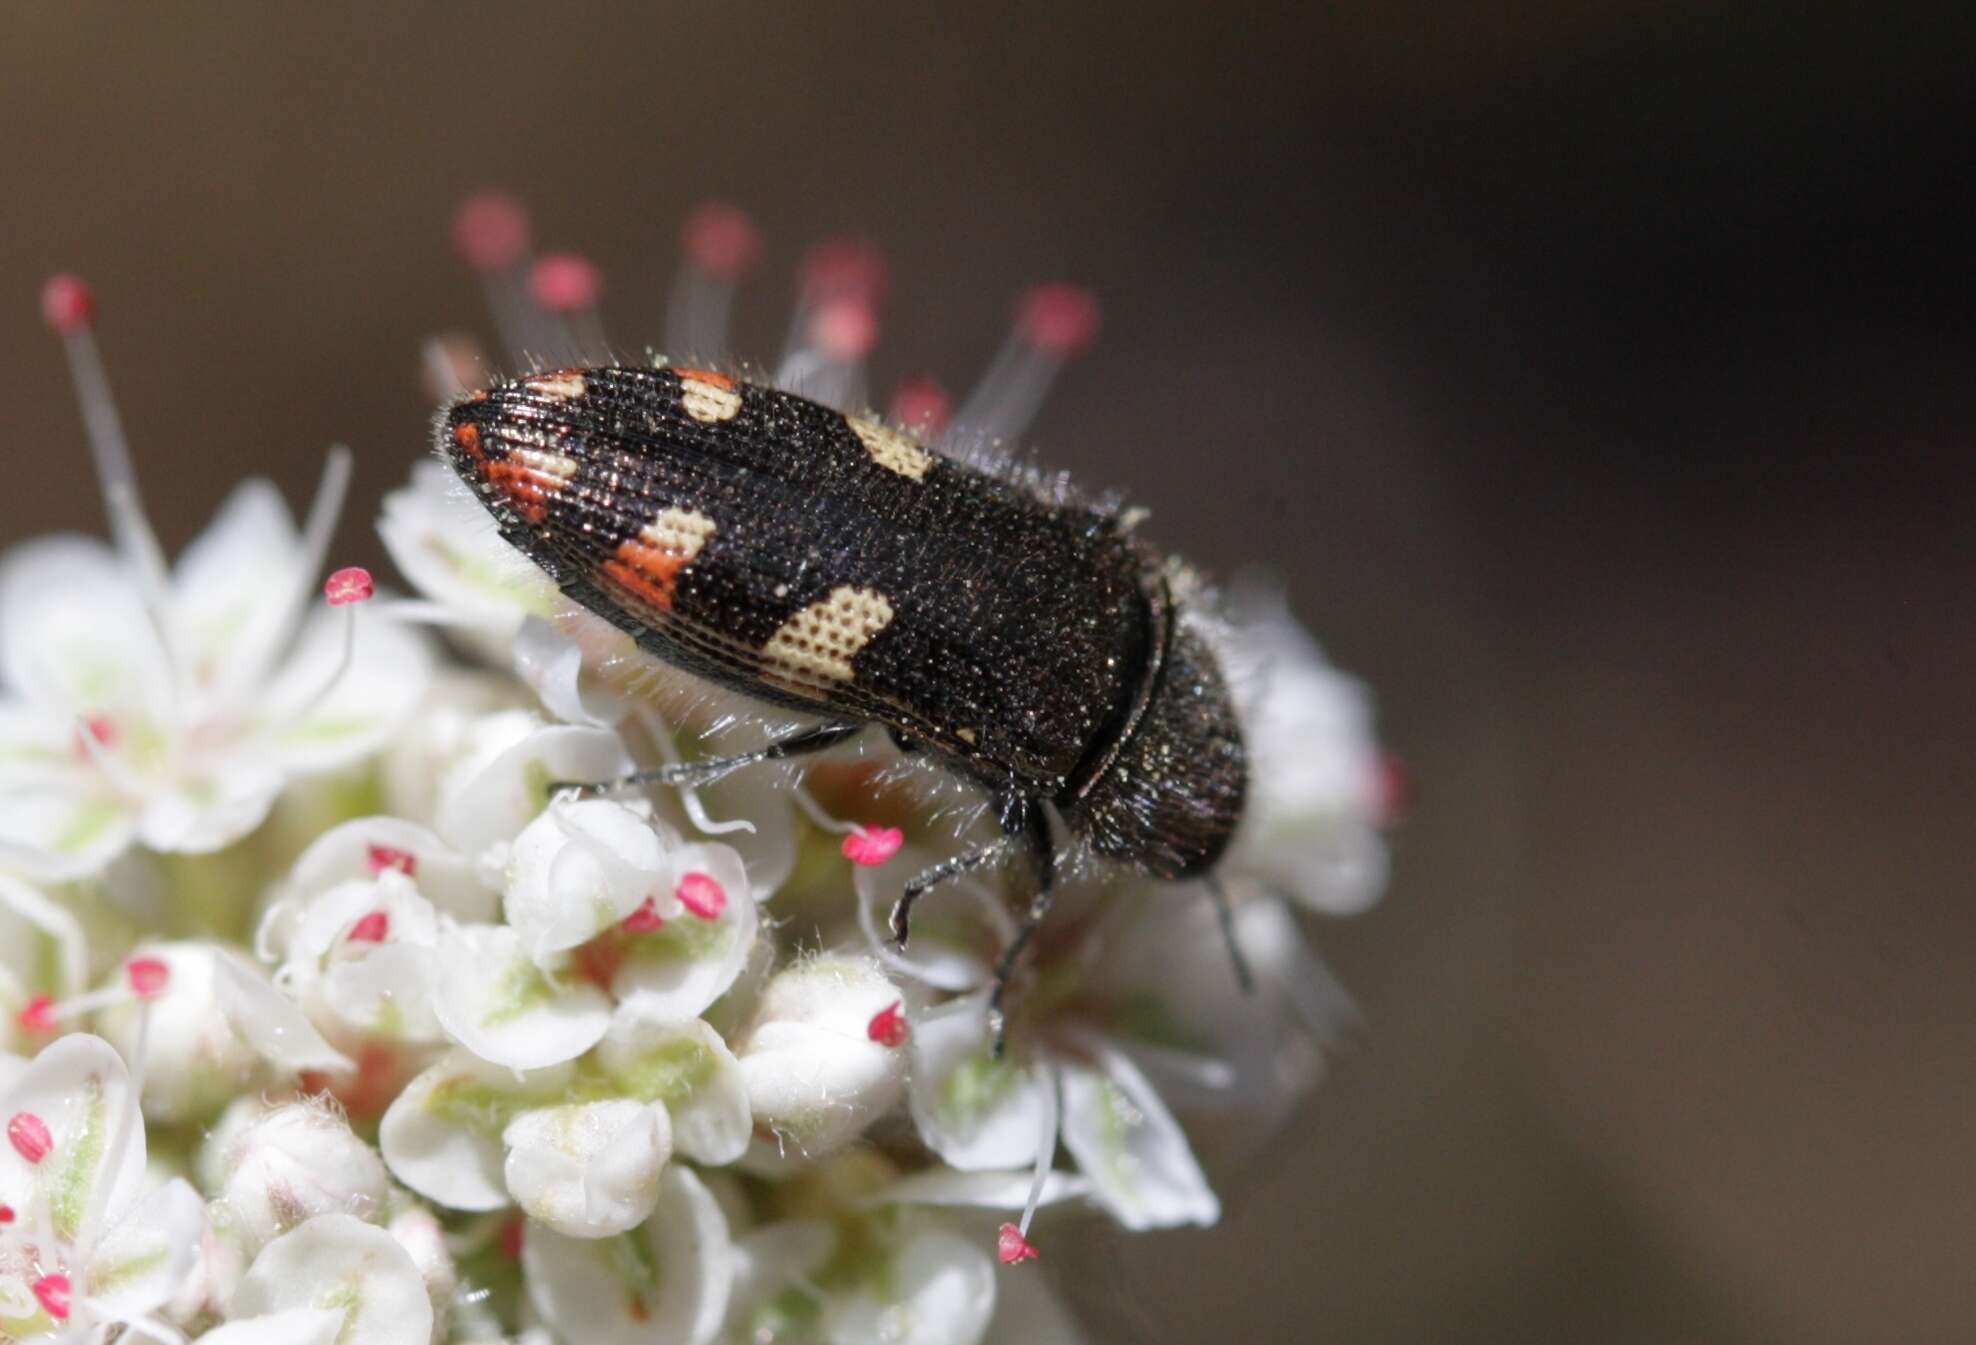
(815, 1075)
(296, 1162)
(589, 1170)
(578, 870)
(196, 1063)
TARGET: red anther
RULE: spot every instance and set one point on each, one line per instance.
(598, 961)
(721, 240)
(1059, 319)
(350, 584)
(1012, 1248)
(491, 231)
(1392, 789)
(872, 846)
(700, 894)
(382, 857)
(922, 406)
(888, 1027)
(844, 268)
(645, 920)
(53, 1293)
(102, 728)
(375, 927)
(6, 1214)
(513, 1234)
(149, 977)
(29, 1135)
(845, 329)
(67, 304)
(37, 1015)
(563, 282)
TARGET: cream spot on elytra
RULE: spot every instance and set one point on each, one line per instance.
(821, 640)
(893, 451)
(558, 387)
(708, 397)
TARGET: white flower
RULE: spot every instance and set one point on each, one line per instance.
(664, 1283)
(196, 1062)
(176, 720)
(1319, 786)
(822, 1057)
(88, 1241)
(335, 1264)
(588, 1169)
(294, 1162)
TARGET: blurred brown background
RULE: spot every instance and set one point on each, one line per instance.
(1598, 376)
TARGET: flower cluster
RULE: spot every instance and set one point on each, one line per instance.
(332, 1014)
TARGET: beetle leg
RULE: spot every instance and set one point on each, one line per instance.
(797, 744)
(1224, 913)
(1036, 830)
(933, 876)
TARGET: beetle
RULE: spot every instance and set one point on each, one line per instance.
(1024, 639)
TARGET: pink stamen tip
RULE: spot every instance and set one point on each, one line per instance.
(645, 920)
(102, 728)
(563, 282)
(29, 1135)
(149, 977)
(67, 304)
(1012, 1248)
(37, 1015)
(872, 846)
(1392, 789)
(721, 240)
(53, 1293)
(490, 229)
(702, 895)
(6, 1214)
(1060, 320)
(845, 329)
(845, 268)
(382, 857)
(350, 584)
(922, 405)
(373, 928)
(888, 1026)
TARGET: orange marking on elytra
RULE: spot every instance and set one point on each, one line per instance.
(527, 490)
(468, 438)
(719, 380)
(651, 572)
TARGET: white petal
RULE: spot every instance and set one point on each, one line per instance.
(588, 1170)
(445, 544)
(63, 833)
(226, 799)
(552, 665)
(79, 1089)
(768, 1261)
(579, 869)
(74, 637)
(292, 1163)
(942, 1292)
(1129, 1145)
(487, 803)
(147, 1255)
(975, 1111)
(441, 1136)
(683, 967)
(345, 853)
(814, 1073)
(385, 990)
(234, 590)
(761, 799)
(298, 1326)
(602, 1293)
(980, 1190)
(494, 1000)
(1028, 1312)
(337, 1262)
(271, 1023)
(687, 1067)
(305, 730)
